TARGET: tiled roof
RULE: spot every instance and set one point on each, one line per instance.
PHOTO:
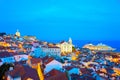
(14, 53)
(5, 54)
(91, 65)
(20, 63)
(53, 47)
(50, 47)
(86, 71)
(115, 56)
(62, 42)
(86, 77)
(56, 75)
(47, 60)
(69, 67)
(53, 73)
(35, 60)
(110, 71)
(83, 77)
(2, 47)
(24, 72)
(75, 76)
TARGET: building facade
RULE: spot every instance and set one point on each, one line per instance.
(66, 47)
(52, 50)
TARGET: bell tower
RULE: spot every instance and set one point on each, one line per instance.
(70, 41)
(17, 33)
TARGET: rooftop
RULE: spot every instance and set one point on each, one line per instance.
(56, 75)
(24, 72)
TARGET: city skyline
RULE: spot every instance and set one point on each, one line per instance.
(56, 20)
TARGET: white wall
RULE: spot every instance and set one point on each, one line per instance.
(53, 65)
(52, 51)
(21, 57)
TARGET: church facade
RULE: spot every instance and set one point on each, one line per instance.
(66, 47)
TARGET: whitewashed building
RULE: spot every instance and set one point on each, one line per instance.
(21, 57)
(66, 47)
(51, 50)
(6, 57)
(50, 64)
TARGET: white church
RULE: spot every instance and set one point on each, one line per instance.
(66, 47)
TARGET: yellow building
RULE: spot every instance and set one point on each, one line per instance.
(66, 47)
(17, 33)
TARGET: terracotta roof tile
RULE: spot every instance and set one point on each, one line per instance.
(86, 71)
(35, 60)
(62, 42)
(53, 73)
(5, 54)
(69, 67)
(20, 63)
(115, 56)
(50, 47)
(24, 72)
(47, 60)
(53, 47)
(56, 75)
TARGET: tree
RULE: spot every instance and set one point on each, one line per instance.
(2, 34)
(73, 49)
(4, 68)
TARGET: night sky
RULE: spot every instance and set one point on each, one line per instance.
(61, 19)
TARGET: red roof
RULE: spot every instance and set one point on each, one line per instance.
(50, 47)
(69, 67)
(53, 47)
(35, 60)
(2, 48)
(24, 72)
(115, 56)
(53, 73)
(47, 60)
(62, 42)
(20, 62)
(56, 75)
(5, 54)
(85, 71)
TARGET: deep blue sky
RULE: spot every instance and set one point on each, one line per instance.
(60, 19)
